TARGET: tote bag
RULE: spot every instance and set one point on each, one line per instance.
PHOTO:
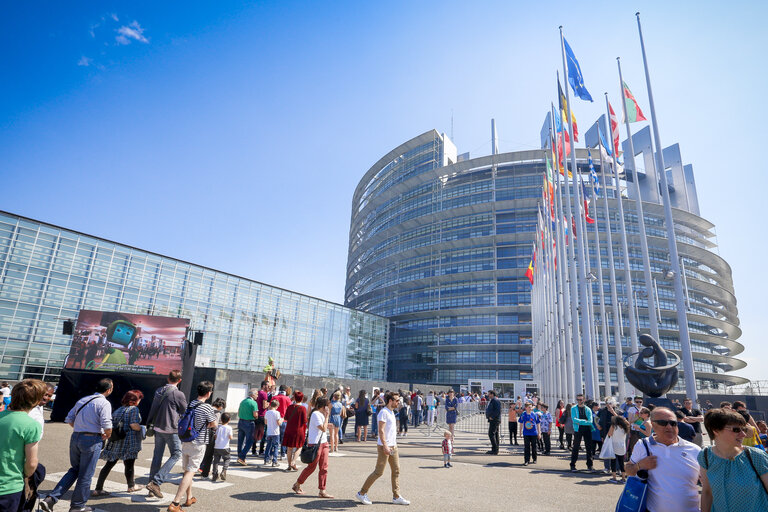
(635, 493)
(607, 451)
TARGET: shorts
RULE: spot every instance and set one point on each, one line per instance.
(191, 456)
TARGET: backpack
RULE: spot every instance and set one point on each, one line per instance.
(118, 432)
(187, 431)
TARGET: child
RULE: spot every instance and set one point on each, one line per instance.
(617, 435)
(546, 428)
(221, 448)
(273, 419)
(447, 449)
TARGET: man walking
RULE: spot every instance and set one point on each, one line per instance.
(582, 429)
(167, 405)
(671, 463)
(493, 415)
(91, 419)
(387, 453)
(192, 451)
(247, 414)
(695, 418)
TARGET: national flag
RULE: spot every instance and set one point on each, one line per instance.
(589, 219)
(614, 130)
(593, 174)
(529, 270)
(575, 77)
(603, 143)
(550, 180)
(564, 112)
(634, 114)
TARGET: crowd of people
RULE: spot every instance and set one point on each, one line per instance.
(664, 445)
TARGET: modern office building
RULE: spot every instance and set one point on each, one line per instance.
(439, 244)
(48, 274)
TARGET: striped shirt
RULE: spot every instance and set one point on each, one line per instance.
(204, 414)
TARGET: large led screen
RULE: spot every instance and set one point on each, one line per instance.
(123, 342)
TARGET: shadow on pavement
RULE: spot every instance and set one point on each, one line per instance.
(264, 496)
(327, 504)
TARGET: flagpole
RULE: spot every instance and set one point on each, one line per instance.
(586, 307)
(682, 310)
(551, 298)
(603, 321)
(574, 293)
(561, 272)
(625, 250)
(617, 330)
(588, 284)
(651, 306)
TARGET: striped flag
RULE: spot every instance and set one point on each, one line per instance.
(634, 113)
(614, 130)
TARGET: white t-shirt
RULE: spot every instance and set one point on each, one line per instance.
(672, 484)
(36, 413)
(315, 435)
(390, 430)
(6, 391)
(272, 417)
(619, 441)
(223, 436)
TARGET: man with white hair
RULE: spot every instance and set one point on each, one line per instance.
(247, 414)
(671, 464)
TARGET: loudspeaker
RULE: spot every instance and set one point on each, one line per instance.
(198, 338)
(68, 327)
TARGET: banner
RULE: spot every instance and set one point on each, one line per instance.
(124, 342)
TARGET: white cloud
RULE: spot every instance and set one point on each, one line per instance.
(130, 33)
(84, 61)
(114, 17)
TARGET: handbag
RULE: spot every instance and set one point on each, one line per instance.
(308, 452)
(635, 493)
(118, 433)
(607, 451)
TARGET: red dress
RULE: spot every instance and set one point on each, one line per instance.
(296, 426)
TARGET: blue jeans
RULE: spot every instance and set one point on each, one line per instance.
(84, 451)
(245, 430)
(158, 474)
(374, 423)
(283, 449)
(271, 451)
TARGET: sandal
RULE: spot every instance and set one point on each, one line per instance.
(324, 494)
(135, 488)
(297, 488)
(97, 493)
(191, 501)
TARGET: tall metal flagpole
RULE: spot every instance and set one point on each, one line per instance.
(574, 292)
(624, 249)
(590, 294)
(600, 282)
(561, 270)
(551, 299)
(617, 329)
(652, 318)
(586, 307)
(682, 316)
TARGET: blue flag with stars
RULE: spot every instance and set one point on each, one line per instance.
(574, 74)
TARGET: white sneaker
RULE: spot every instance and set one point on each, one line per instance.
(363, 498)
(401, 501)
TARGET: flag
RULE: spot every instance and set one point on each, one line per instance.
(529, 270)
(634, 113)
(564, 112)
(593, 174)
(589, 219)
(614, 131)
(603, 144)
(574, 74)
(550, 180)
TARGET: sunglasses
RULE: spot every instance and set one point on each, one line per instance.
(664, 423)
(738, 430)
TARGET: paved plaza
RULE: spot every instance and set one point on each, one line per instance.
(476, 482)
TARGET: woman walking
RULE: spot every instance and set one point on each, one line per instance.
(125, 449)
(317, 436)
(334, 423)
(362, 411)
(733, 476)
(296, 428)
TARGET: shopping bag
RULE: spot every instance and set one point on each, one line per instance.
(607, 451)
(633, 496)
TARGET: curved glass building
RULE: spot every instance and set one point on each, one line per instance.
(439, 244)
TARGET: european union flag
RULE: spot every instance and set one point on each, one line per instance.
(574, 74)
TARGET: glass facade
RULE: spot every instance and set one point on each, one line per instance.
(47, 274)
(441, 249)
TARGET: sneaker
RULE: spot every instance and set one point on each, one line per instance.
(85, 508)
(214, 477)
(400, 501)
(274, 464)
(223, 475)
(533, 461)
(242, 462)
(154, 490)
(363, 498)
(450, 465)
(525, 463)
(47, 504)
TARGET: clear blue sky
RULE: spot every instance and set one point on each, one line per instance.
(233, 135)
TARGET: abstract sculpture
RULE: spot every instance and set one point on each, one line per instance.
(653, 380)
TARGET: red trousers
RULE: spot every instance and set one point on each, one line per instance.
(321, 460)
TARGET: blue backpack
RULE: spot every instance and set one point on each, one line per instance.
(187, 431)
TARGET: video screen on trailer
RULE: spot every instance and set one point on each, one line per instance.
(123, 342)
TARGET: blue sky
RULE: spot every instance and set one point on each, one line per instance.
(233, 134)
